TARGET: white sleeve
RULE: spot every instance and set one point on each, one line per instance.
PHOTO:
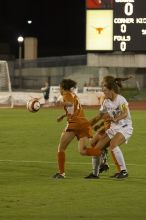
(123, 102)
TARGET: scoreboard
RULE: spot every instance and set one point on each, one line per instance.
(116, 25)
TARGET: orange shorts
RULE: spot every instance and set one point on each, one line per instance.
(80, 129)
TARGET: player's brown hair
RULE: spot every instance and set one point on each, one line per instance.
(67, 84)
(113, 83)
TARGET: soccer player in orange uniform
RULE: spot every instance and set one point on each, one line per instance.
(77, 125)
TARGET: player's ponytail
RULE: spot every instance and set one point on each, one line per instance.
(118, 81)
(113, 83)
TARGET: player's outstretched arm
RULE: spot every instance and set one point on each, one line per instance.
(60, 118)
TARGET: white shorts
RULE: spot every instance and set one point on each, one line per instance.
(125, 131)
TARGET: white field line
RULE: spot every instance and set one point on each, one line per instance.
(52, 162)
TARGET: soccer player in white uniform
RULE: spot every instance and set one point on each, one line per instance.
(120, 128)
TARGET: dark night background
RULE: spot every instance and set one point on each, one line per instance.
(58, 25)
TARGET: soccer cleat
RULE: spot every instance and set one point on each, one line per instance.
(103, 167)
(59, 176)
(123, 174)
(91, 176)
(115, 175)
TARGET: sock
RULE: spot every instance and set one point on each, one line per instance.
(118, 158)
(96, 161)
(92, 151)
(104, 157)
(115, 161)
(61, 161)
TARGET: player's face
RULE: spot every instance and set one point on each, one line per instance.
(108, 93)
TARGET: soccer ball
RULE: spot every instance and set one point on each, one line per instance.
(33, 105)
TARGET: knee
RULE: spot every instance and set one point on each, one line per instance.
(61, 149)
(82, 152)
(112, 146)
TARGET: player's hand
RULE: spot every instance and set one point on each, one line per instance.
(96, 127)
(60, 118)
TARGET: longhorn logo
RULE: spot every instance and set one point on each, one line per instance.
(99, 29)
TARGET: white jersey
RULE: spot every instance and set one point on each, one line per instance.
(113, 108)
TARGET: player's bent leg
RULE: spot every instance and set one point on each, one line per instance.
(95, 139)
(65, 139)
(92, 151)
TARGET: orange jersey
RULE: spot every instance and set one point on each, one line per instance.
(75, 113)
(76, 117)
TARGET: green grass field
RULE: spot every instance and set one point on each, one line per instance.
(28, 145)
